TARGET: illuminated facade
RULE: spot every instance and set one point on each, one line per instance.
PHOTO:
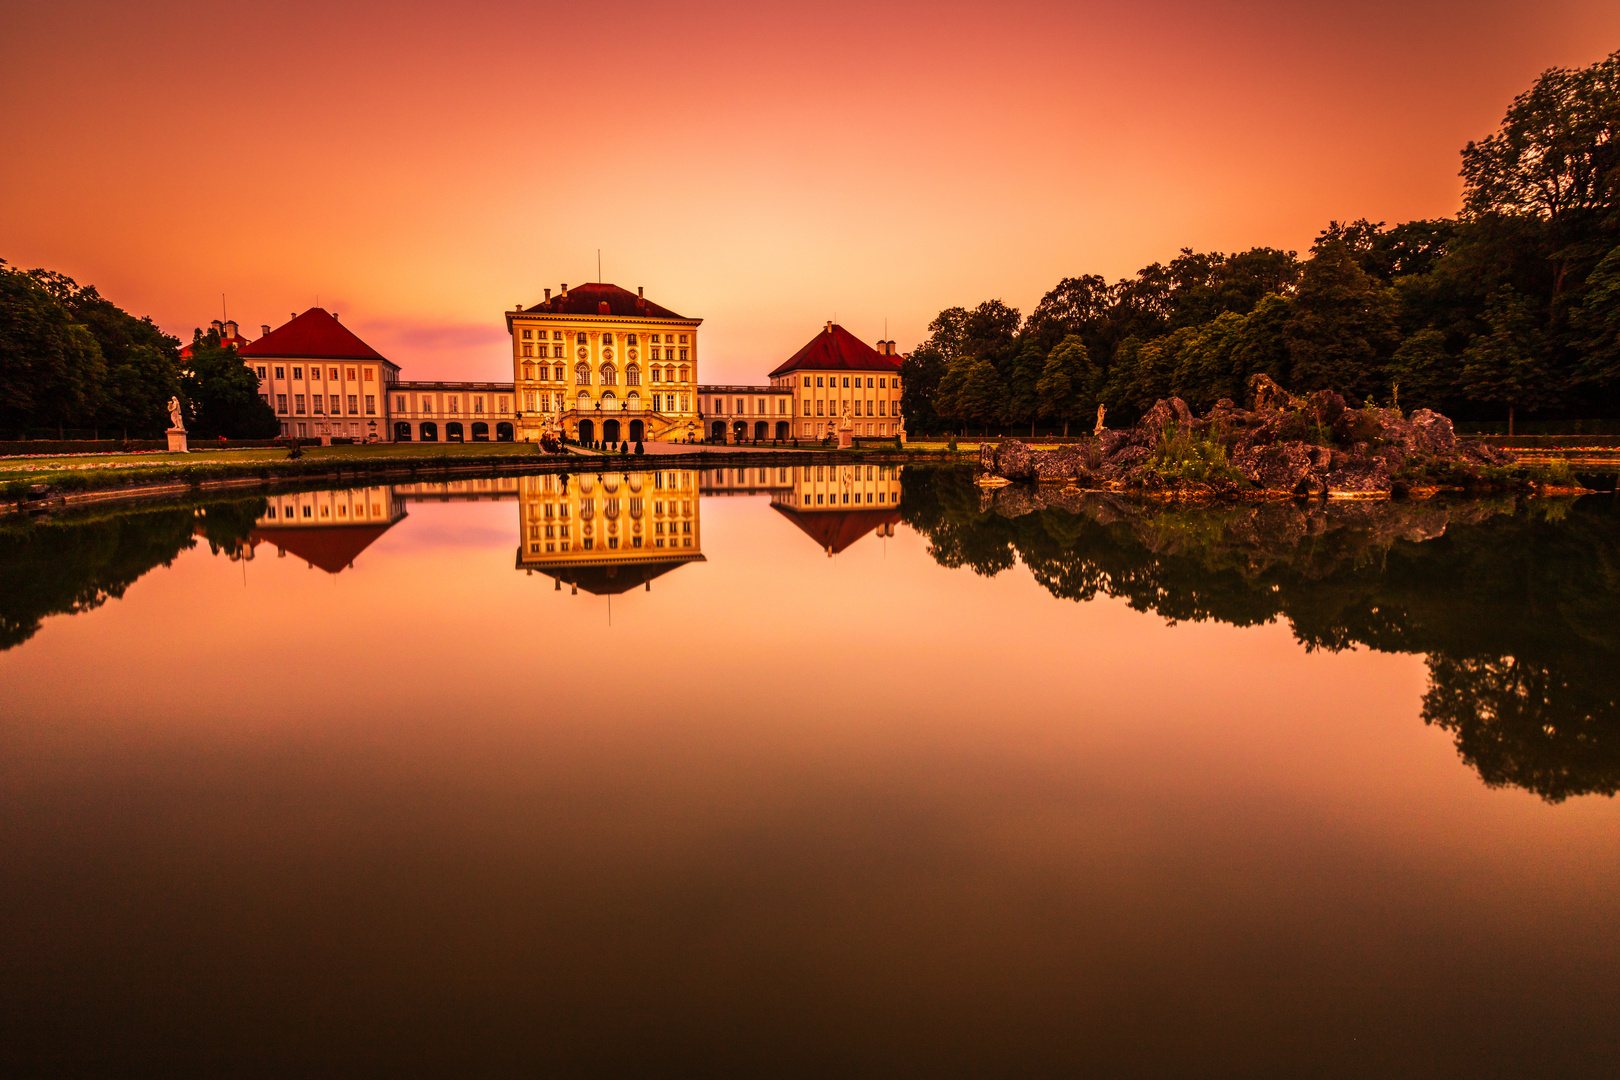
(321, 379)
(604, 364)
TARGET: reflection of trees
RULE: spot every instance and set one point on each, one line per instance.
(1514, 604)
(65, 567)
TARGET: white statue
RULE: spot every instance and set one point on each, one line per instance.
(902, 431)
(174, 415)
(1099, 429)
(848, 424)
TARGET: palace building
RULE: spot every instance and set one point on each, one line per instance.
(837, 375)
(321, 379)
(606, 364)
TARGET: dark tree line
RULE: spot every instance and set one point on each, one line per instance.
(70, 358)
(1511, 307)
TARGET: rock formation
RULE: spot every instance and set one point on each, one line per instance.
(1282, 445)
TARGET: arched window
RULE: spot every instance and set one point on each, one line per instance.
(610, 403)
(582, 374)
(558, 373)
(610, 375)
(581, 339)
(683, 374)
(584, 401)
(632, 376)
(632, 403)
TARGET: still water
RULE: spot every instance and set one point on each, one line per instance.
(809, 772)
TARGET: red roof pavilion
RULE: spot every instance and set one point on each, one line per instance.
(836, 349)
(316, 335)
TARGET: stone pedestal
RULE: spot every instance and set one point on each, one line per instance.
(846, 438)
(326, 440)
(177, 440)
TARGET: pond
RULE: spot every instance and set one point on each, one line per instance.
(809, 770)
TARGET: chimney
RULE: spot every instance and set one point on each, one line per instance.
(640, 293)
(292, 315)
(548, 296)
(218, 327)
(230, 328)
(334, 316)
(565, 290)
(520, 307)
(829, 326)
(264, 329)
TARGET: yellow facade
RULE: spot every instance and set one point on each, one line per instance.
(617, 374)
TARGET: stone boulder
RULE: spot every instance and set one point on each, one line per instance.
(1359, 478)
(1432, 433)
(987, 456)
(1014, 460)
(1278, 467)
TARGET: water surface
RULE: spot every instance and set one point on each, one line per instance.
(921, 782)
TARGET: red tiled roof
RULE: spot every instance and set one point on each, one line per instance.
(835, 530)
(333, 548)
(588, 300)
(315, 334)
(836, 349)
(614, 579)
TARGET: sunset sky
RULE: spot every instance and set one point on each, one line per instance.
(422, 167)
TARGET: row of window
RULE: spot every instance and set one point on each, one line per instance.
(589, 544)
(832, 381)
(821, 404)
(607, 374)
(583, 338)
(659, 403)
(557, 353)
(289, 512)
(315, 373)
(319, 406)
(812, 430)
(761, 406)
(452, 404)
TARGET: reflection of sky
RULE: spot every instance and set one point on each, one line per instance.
(863, 807)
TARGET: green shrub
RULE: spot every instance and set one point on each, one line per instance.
(1184, 454)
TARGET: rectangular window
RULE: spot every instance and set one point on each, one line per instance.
(881, 404)
(371, 404)
(281, 373)
(528, 335)
(657, 374)
(332, 374)
(683, 354)
(368, 374)
(281, 404)
(869, 384)
(556, 351)
(298, 404)
(742, 407)
(806, 406)
(818, 381)
(478, 403)
(354, 404)
(868, 406)
(683, 339)
(846, 382)
(505, 405)
(528, 401)
(454, 402)
(821, 406)
(882, 383)
(427, 404)
(351, 374)
(685, 400)
(399, 404)
(261, 373)
(528, 350)
(298, 373)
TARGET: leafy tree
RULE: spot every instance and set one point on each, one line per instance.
(980, 399)
(51, 369)
(1341, 327)
(1597, 323)
(922, 372)
(221, 395)
(1506, 364)
(1420, 373)
(1067, 386)
(1023, 402)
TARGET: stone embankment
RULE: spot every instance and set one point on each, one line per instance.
(1282, 446)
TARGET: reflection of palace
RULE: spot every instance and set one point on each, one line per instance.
(329, 529)
(836, 505)
(608, 532)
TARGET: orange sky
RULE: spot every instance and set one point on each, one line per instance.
(422, 167)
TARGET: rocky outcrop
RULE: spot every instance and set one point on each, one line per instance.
(1282, 445)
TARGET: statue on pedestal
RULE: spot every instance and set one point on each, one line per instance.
(176, 422)
(902, 431)
(177, 429)
(1100, 428)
